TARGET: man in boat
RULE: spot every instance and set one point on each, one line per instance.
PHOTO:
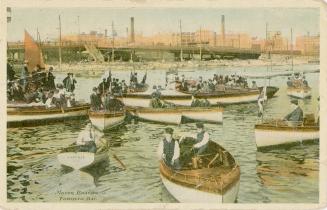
(103, 86)
(305, 82)
(296, 115)
(86, 140)
(69, 82)
(289, 82)
(50, 102)
(155, 101)
(201, 139)
(49, 80)
(10, 71)
(95, 100)
(168, 149)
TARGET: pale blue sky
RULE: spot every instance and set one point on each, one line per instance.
(152, 20)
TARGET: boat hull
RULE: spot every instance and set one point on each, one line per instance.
(189, 195)
(170, 116)
(39, 116)
(299, 93)
(212, 115)
(176, 115)
(80, 160)
(273, 136)
(106, 120)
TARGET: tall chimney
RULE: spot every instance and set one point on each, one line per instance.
(132, 30)
(223, 29)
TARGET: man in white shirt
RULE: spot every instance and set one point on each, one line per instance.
(201, 139)
(86, 140)
(169, 150)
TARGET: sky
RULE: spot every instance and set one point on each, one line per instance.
(152, 20)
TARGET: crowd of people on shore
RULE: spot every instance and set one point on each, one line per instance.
(217, 83)
(39, 87)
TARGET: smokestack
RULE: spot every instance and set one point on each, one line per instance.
(132, 30)
(105, 33)
(223, 29)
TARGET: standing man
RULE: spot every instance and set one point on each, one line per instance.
(169, 150)
(201, 139)
(95, 100)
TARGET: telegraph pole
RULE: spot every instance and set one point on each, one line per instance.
(180, 30)
(59, 43)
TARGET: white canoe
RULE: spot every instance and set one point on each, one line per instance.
(273, 134)
(164, 115)
(103, 120)
(30, 116)
(205, 114)
(80, 160)
(218, 183)
(230, 97)
(176, 115)
(299, 92)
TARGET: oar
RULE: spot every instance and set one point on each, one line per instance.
(118, 160)
(114, 155)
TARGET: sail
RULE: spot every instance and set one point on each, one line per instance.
(33, 53)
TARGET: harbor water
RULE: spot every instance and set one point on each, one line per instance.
(283, 175)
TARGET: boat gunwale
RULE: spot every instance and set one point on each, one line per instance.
(178, 109)
(45, 111)
(100, 114)
(276, 127)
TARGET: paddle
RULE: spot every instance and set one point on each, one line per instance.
(113, 154)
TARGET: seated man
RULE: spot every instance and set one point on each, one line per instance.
(95, 100)
(296, 115)
(201, 139)
(169, 150)
(86, 140)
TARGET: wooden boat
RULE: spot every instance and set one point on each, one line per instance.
(176, 115)
(277, 132)
(213, 178)
(106, 120)
(144, 99)
(230, 96)
(299, 92)
(80, 160)
(36, 115)
(270, 91)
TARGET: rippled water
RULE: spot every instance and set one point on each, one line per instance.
(281, 176)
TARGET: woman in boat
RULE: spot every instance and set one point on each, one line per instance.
(201, 139)
(169, 150)
(296, 116)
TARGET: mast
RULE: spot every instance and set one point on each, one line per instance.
(79, 40)
(200, 43)
(113, 42)
(180, 30)
(292, 49)
(59, 43)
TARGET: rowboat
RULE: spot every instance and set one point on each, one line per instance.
(214, 178)
(299, 92)
(276, 132)
(270, 90)
(81, 160)
(176, 115)
(106, 120)
(230, 96)
(144, 99)
(37, 115)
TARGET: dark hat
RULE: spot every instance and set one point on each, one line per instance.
(199, 125)
(154, 87)
(169, 130)
(294, 101)
(94, 89)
